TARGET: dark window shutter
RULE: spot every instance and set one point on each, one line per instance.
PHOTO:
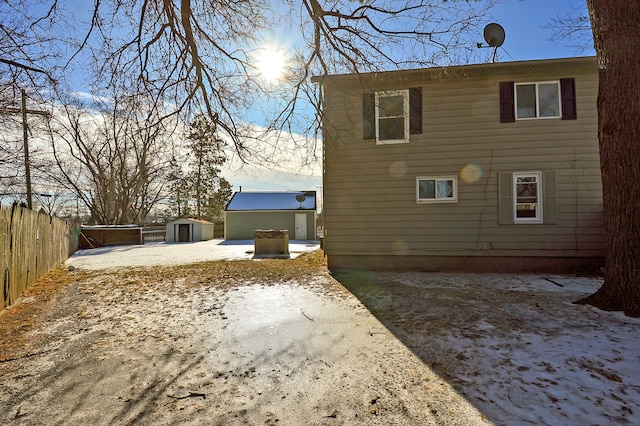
(507, 102)
(415, 110)
(550, 201)
(568, 96)
(369, 116)
(505, 198)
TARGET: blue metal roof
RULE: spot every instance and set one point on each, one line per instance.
(247, 201)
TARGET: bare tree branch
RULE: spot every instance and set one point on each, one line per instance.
(175, 60)
(573, 30)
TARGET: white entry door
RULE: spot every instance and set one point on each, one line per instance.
(301, 227)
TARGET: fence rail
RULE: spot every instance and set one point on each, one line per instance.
(154, 235)
(31, 245)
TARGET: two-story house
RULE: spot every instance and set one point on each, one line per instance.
(465, 168)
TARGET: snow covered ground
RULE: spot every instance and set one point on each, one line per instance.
(515, 345)
(167, 254)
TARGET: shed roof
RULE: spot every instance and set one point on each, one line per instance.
(190, 219)
(252, 201)
(110, 227)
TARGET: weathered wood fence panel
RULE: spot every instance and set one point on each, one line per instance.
(31, 245)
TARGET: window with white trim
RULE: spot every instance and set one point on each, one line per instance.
(527, 206)
(441, 189)
(537, 100)
(392, 117)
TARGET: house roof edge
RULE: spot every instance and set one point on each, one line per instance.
(577, 63)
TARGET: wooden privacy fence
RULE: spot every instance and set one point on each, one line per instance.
(31, 245)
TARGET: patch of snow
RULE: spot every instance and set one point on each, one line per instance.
(168, 254)
(515, 345)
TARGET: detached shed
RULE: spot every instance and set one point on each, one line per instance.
(93, 236)
(250, 211)
(186, 230)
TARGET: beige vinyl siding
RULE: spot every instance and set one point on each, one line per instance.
(239, 225)
(369, 190)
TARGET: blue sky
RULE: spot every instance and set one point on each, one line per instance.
(524, 22)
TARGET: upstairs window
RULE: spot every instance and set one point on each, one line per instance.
(526, 101)
(538, 100)
(390, 117)
(440, 189)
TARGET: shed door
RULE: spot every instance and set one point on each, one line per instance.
(301, 227)
(183, 233)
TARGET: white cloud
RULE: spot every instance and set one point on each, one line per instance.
(276, 161)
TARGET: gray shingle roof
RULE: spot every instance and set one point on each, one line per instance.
(251, 201)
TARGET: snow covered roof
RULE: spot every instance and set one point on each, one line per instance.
(252, 201)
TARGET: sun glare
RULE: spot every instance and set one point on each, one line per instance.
(271, 64)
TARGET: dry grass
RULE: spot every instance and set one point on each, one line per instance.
(303, 267)
(33, 305)
(36, 303)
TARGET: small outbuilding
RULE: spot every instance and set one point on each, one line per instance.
(92, 236)
(186, 230)
(251, 211)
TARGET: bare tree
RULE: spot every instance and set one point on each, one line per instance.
(11, 156)
(30, 42)
(201, 55)
(52, 203)
(23, 144)
(30, 50)
(616, 33)
(113, 157)
(191, 54)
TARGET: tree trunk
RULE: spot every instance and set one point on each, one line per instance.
(616, 32)
(198, 179)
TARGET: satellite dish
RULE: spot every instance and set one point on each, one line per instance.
(300, 198)
(494, 35)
